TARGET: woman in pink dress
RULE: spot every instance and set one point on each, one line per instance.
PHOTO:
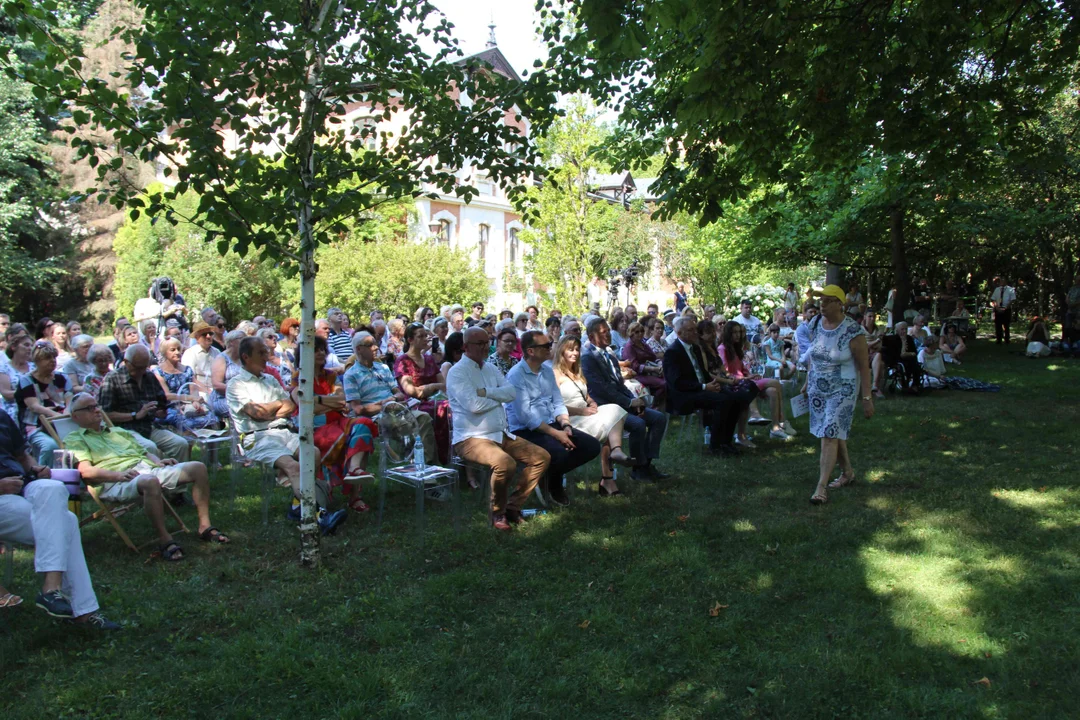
(731, 353)
(419, 377)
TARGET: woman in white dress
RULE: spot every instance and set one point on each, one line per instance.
(603, 422)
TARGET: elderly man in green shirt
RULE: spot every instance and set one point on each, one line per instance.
(114, 459)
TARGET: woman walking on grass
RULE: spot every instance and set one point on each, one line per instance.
(839, 371)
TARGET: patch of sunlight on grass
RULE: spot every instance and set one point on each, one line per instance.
(1043, 502)
(1055, 367)
(761, 583)
(882, 504)
(875, 475)
(1056, 508)
(743, 526)
(597, 539)
(930, 576)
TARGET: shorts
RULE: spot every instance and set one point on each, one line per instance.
(168, 476)
(266, 446)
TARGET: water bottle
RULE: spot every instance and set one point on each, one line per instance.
(418, 454)
(708, 436)
(532, 512)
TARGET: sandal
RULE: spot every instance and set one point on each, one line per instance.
(604, 492)
(621, 459)
(358, 505)
(819, 498)
(843, 480)
(212, 534)
(9, 601)
(172, 552)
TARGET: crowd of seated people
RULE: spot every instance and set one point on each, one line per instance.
(514, 393)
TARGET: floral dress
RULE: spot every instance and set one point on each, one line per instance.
(833, 383)
(175, 417)
(502, 365)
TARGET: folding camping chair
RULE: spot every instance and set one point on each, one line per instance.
(59, 428)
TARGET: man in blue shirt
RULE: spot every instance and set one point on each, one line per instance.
(369, 385)
(538, 415)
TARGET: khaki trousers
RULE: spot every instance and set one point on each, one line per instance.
(502, 459)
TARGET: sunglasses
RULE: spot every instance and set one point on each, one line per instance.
(88, 408)
(546, 346)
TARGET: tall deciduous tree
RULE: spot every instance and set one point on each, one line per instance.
(576, 235)
(278, 77)
(742, 94)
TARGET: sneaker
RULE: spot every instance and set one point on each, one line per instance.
(439, 494)
(746, 443)
(779, 435)
(96, 621)
(54, 604)
(540, 496)
(759, 420)
(789, 430)
(330, 521)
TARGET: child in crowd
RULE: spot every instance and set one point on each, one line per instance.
(773, 347)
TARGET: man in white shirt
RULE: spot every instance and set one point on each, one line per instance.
(200, 356)
(1001, 300)
(477, 392)
(259, 410)
(748, 321)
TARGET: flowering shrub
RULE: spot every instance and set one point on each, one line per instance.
(765, 299)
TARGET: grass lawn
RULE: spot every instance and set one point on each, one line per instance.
(955, 558)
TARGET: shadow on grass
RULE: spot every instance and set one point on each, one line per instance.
(720, 593)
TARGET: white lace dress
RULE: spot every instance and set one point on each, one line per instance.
(598, 425)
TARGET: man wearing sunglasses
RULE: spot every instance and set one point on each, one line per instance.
(539, 415)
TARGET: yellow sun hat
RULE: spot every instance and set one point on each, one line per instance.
(833, 291)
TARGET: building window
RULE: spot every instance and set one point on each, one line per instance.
(444, 232)
(369, 125)
(513, 248)
(485, 234)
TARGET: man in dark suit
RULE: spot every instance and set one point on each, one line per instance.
(690, 388)
(604, 379)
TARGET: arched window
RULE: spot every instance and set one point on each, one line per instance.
(485, 234)
(444, 232)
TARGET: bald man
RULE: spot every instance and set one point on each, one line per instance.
(132, 398)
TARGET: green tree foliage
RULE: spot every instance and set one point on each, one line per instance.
(740, 96)
(238, 287)
(394, 276)
(24, 193)
(574, 235)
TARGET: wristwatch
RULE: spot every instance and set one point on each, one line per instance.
(134, 415)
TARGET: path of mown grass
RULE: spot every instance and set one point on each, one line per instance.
(955, 558)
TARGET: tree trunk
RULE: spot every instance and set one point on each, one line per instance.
(899, 263)
(834, 274)
(309, 526)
